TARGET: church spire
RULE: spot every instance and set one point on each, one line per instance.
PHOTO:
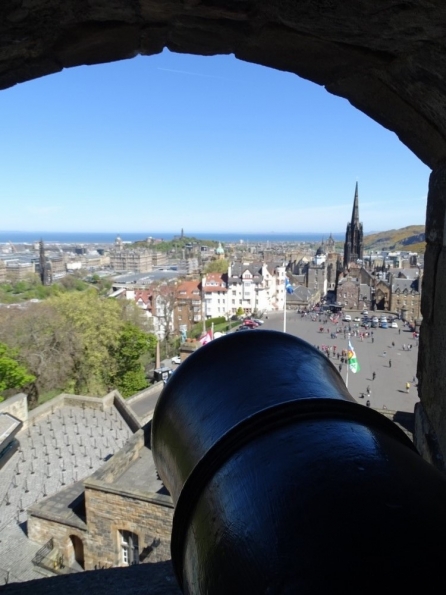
(354, 245)
(355, 212)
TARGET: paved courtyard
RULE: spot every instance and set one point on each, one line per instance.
(388, 388)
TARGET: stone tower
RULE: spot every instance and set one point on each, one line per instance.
(45, 268)
(354, 244)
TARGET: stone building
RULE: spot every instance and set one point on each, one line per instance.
(302, 298)
(405, 297)
(382, 295)
(354, 244)
(317, 278)
(137, 261)
(348, 293)
(188, 306)
(119, 516)
(59, 447)
(332, 263)
(17, 270)
(158, 258)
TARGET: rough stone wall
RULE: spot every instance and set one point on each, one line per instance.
(430, 434)
(42, 530)
(16, 406)
(108, 513)
(86, 402)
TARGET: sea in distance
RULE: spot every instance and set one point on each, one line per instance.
(65, 237)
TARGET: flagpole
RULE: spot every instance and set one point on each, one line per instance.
(346, 377)
(284, 310)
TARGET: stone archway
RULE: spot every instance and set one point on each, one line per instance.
(77, 551)
(388, 59)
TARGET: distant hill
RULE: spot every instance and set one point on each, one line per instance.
(407, 238)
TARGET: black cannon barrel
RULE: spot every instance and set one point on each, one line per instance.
(282, 483)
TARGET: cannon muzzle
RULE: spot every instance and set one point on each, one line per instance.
(282, 483)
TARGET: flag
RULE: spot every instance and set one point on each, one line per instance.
(205, 338)
(352, 359)
(288, 286)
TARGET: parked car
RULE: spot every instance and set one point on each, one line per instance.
(176, 359)
(250, 323)
(357, 319)
(394, 324)
(365, 312)
(243, 327)
(347, 318)
(258, 321)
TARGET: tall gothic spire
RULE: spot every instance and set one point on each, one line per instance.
(354, 246)
(355, 212)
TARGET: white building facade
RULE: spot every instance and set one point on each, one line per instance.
(215, 293)
(255, 287)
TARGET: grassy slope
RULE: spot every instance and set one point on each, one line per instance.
(407, 238)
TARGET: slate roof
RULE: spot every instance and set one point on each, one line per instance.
(300, 294)
(186, 290)
(218, 280)
(404, 285)
(238, 268)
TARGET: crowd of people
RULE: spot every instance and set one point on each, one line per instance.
(334, 327)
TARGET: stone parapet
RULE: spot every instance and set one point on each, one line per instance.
(16, 406)
(144, 393)
(118, 462)
(129, 417)
(157, 579)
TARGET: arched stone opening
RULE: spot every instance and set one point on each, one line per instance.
(76, 550)
(388, 60)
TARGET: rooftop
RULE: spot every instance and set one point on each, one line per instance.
(59, 446)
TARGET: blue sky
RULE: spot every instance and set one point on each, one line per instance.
(173, 141)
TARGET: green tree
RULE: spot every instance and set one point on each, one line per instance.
(217, 266)
(129, 375)
(12, 373)
(98, 324)
(47, 343)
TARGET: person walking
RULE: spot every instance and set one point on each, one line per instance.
(407, 387)
(390, 363)
(373, 375)
(367, 403)
(368, 391)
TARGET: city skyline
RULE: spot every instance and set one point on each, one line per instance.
(210, 144)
